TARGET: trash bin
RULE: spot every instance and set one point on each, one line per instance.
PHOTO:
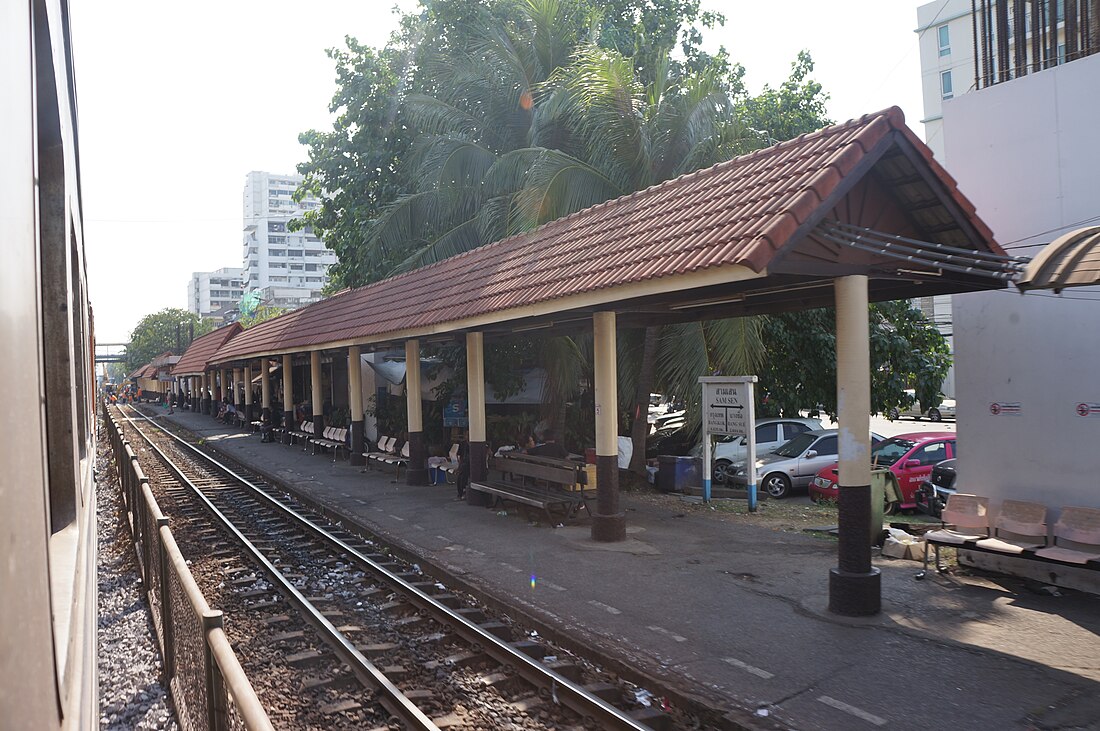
(689, 472)
(883, 483)
(674, 473)
(666, 472)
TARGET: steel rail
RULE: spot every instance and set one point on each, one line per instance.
(563, 690)
(391, 697)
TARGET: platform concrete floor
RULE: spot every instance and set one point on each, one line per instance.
(737, 613)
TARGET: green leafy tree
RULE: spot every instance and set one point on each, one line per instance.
(401, 176)
(353, 168)
(796, 107)
(500, 115)
(262, 314)
(799, 372)
(170, 329)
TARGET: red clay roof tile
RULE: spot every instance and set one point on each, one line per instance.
(739, 212)
(195, 359)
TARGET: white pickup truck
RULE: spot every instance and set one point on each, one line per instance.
(945, 410)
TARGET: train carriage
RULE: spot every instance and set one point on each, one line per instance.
(47, 497)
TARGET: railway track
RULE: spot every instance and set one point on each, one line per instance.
(348, 636)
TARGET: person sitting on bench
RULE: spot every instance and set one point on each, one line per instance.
(549, 447)
(267, 429)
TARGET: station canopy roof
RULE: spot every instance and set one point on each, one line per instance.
(146, 371)
(764, 232)
(1072, 260)
(195, 360)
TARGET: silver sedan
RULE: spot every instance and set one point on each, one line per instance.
(793, 464)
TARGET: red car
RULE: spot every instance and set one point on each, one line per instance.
(909, 456)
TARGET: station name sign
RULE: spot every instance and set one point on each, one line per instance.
(726, 408)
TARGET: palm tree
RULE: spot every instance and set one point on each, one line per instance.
(532, 121)
(632, 136)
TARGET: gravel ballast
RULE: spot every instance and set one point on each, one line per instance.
(130, 693)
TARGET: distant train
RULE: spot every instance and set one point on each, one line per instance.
(47, 450)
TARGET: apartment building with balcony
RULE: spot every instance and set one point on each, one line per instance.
(212, 294)
(295, 263)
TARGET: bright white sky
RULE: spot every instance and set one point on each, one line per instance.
(178, 102)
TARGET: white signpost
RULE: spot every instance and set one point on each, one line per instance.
(728, 410)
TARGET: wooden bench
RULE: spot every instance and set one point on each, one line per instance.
(537, 482)
(1020, 531)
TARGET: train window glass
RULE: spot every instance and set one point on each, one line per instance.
(79, 353)
(62, 352)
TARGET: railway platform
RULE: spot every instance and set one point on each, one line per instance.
(730, 613)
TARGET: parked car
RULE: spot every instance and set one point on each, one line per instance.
(664, 413)
(932, 494)
(669, 440)
(794, 463)
(910, 457)
(770, 433)
(945, 409)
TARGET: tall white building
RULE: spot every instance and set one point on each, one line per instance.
(293, 263)
(962, 51)
(1022, 146)
(209, 294)
(966, 46)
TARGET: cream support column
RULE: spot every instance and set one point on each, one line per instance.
(193, 392)
(227, 393)
(248, 395)
(238, 402)
(288, 398)
(475, 390)
(417, 472)
(608, 522)
(854, 586)
(235, 386)
(355, 401)
(204, 382)
(317, 397)
(265, 387)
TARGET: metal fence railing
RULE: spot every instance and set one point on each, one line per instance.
(209, 688)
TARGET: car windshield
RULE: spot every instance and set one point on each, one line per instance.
(796, 446)
(890, 451)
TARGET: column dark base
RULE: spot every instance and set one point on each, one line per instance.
(479, 452)
(357, 459)
(288, 424)
(478, 498)
(608, 528)
(248, 416)
(417, 473)
(206, 407)
(855, 595)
